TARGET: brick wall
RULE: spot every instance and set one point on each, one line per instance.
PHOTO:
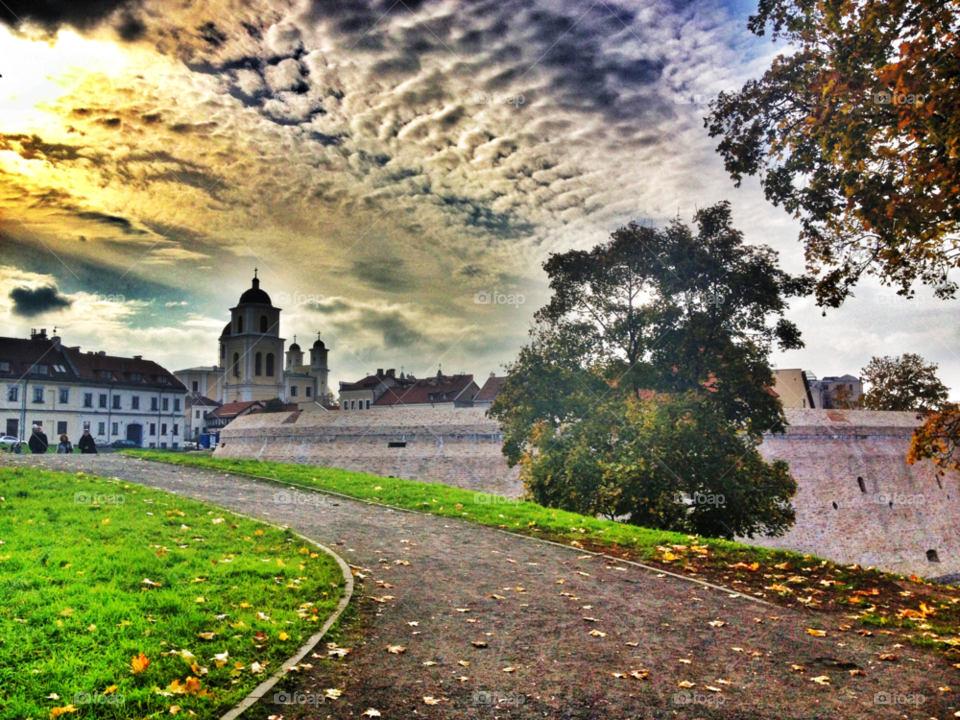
(828, 450)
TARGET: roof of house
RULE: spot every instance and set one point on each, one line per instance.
(491, 388)
(233, 409)
(65, 364)
(439, 389)
(201, 401)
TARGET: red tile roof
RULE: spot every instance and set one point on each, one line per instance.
(232, 409)
(447, 388)
(491, 388)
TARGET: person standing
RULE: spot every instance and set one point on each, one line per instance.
(87, 445)
(65, 446)
(38, 441)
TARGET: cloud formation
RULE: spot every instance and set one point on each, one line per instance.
(30, 302)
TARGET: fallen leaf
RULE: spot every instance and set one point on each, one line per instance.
(821, 680)
(798, 668)
(370, 712)
(639, 675)
(597, 633)
(332, 694)
(429, 700)
(396, 649)
(140, 663)
(817, 633)
(479, 644)
(889, 657)
(716, 623)
(58, 711)
(686, 684)
(509, 669)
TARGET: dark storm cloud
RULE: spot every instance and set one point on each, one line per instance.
(396, 331)
(79, 14)
(388, 274)
(30, 302)
(113, 221)
(474, 213)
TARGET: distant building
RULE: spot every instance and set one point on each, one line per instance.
(801, 389)
(386, 389)
(251, 360)
(362, 394)
(66, 391)
(488, 393)
(225, 414)
(792, 388)
(195, 418)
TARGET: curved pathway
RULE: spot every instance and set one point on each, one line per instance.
(558, 624)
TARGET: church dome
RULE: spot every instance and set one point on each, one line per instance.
(226, 331)
(255, 295)
(318, 345)
(294, 348)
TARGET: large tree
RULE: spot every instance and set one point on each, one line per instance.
(904, 383)
(856, 131)
(686, 316)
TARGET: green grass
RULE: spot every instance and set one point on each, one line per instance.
(75, 610)
(483, 508)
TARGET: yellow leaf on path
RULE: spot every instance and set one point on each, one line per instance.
(58, 711)
(429, 700)
(890, 657)
(798, 668)
(686, 684)
(597, 633)
(713, 689)
(479, 644)
(465, 663)
(221, 659)
(684, 661)
(370, 712)
(256, 668)
(112, 688)
(201, 599)
(857, 671)
(821, 680)
(140, 663)
(206, 635)
(174, 709)
(245, 605)
(430, 663)
(817, 633)
(639, 675)
(283, 636)
(332, 693)
(509, 669)
(716, 623)
(396, 649)
(618, 675)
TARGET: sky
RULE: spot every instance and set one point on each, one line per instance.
(387, 166)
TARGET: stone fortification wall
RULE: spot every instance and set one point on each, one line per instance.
(455, 446)
(858, 501)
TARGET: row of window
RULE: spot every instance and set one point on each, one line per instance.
(264, 323)
(257, 364)
(39, 396)
(102, 427)
(356, 405)
(295, 390)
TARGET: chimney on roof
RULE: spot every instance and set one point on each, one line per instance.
(392, 372)
(138, 357)
(42, 335)
(56, 342)
(379, 372)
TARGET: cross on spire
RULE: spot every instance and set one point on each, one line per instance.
(255, 272)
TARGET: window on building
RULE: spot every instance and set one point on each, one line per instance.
(59, 368)
(103, 400)
(136, 377)
(163, 446)
(13, 394)
(4, 367)
(42, 369)
(368, 404)
(236, 364)
(115, 428)
(88, 400)
(204, 413)
(176, 429)
(86, 424)
(38, 394)
(154, 404)
(176, 404)
(195, 386)
(101, 428)
(153, 429)
(116, 402)
(64, 395)
(353, 404)
(166, 404)
(293, 391)
(197, 414)
(163, 428)
(269, 364)
(239, 324)
(258, 364)
(162, 379)
(263, 323)
(135, 402)
(61, 427)
(309, 392)
(106, 375)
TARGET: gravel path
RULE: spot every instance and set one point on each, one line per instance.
(453, 584)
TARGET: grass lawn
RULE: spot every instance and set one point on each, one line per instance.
(96, 572)
(929, 614)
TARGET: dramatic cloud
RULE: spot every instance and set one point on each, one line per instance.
(30, 302)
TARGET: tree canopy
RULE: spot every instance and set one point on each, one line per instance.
(688, 318)
(904, 383)
(856, 132)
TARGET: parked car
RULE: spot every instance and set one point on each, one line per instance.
(11, 444)
(124, 444)
(190, 445)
